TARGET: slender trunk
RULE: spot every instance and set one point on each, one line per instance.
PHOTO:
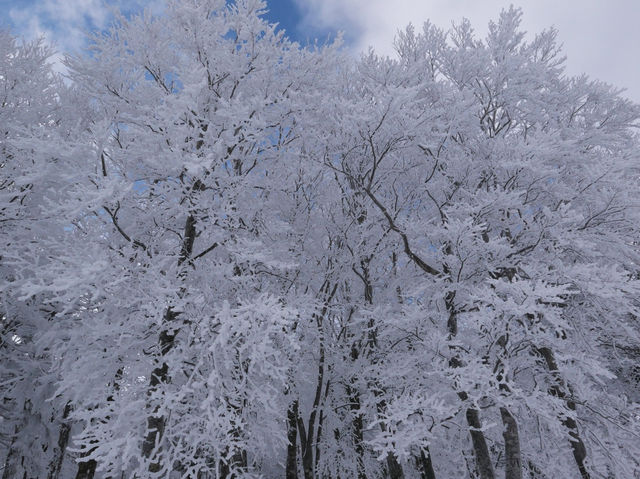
(394, 469)
(480, 448)
(424, 464)
(422, 460)
(354, 399)
(513, 457)
(356, 423)
(156, 423)
(86, 470)
(307, 435)
(292, 436)
(307, 451)
(303, 447)
(238, 462)
(307, 463)
(320, 425)
(513, 466)
(558, 390)
(63, 440)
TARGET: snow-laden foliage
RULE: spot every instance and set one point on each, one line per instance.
(30, 111)
(228, 255)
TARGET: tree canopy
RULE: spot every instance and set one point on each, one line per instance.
(225, 255)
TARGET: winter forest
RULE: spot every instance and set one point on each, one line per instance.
(225, 255)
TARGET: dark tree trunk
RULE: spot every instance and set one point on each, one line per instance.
(513, 465)
(558, 390)
(320, 428)
(307, 435)
(424, 464)
(480, 448)
(292, 436)
(308, 444)
(394, 468)
(356, 423)
(63, 440)
(513, 457)
(86, 470)
(305, 446)
(307, 462)
(358, 439)
(156, 423)
(423, 459)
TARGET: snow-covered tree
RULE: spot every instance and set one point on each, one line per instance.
(248, 258)
(30, 108)
(511, 191)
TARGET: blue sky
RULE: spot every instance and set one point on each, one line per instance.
(288, 15)
(600, 37)
(64, 21)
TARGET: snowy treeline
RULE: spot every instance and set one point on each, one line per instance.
(227, 256)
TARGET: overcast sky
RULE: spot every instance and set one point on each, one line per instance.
(600, 37)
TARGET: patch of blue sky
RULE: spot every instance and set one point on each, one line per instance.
(171, 80)
(66, 22)
(286, 13)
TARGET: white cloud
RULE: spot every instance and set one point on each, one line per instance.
(60, 21)
(64, 22)
(75, 11)
(600, 38)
